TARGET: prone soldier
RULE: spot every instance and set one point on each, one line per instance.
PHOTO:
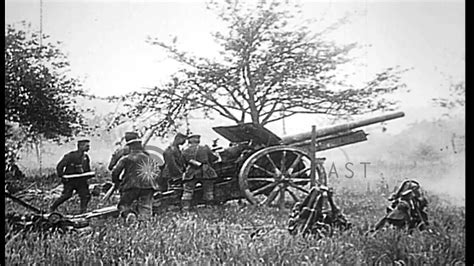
(74, 162)
(199, 169)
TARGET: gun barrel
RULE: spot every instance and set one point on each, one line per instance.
(340, 128)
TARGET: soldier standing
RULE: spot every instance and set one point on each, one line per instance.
(174, 166)
(199, 169)
(137, 183)
(75, 162)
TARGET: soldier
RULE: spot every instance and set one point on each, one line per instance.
(75, 162)
(121, 151)
(137, 183)
(174, 166)
(407, 208)
(199, 169)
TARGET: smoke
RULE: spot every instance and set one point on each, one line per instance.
(450, 185)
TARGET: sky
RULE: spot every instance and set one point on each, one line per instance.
(105, 41)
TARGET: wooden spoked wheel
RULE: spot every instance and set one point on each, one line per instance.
(274, 175)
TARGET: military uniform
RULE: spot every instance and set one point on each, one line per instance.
(119, 153)
(136, 184)
(199, 169)
(75, 162)
(173, 168)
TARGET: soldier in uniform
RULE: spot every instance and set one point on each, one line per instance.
(175, 165)
(75, 162)
(199, 159)
(137, 184)
(121, 151)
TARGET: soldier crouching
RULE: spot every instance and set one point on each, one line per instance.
(199, 170)
(137, 184)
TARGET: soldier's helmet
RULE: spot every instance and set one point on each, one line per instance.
(81, 144)
(83, 141)
(194, 138)
(181, 135)
(131, 137)
(180, 138)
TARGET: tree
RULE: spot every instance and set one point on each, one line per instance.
(270, 68)
(39, 94)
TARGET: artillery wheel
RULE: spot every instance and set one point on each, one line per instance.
(156, 153)
(150, 169)
(268, 175)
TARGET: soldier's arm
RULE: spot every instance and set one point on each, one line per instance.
(212, 156)
(61, 164)
(170, 159)
(179, 166)
(167, 156)
(118, 168)
(113, 161)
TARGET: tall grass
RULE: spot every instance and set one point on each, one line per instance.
(236, 234)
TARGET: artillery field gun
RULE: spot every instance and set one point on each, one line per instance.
(263, 168)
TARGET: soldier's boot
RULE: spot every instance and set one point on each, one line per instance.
(187, 197)
(208, 188)
(84, 202)
(59, 201)
(209, 198)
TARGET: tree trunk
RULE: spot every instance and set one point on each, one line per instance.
(253, 108)
(283, 123)
(251, 91)
(38, 145)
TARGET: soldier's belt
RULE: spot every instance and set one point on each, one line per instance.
(87, 174)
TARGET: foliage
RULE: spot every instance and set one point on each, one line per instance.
(13, 139)
(270, 66)
(150, 117)
(39, 94)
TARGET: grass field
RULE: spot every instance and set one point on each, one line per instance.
(243, 234)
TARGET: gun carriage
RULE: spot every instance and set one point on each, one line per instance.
(268, 170)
